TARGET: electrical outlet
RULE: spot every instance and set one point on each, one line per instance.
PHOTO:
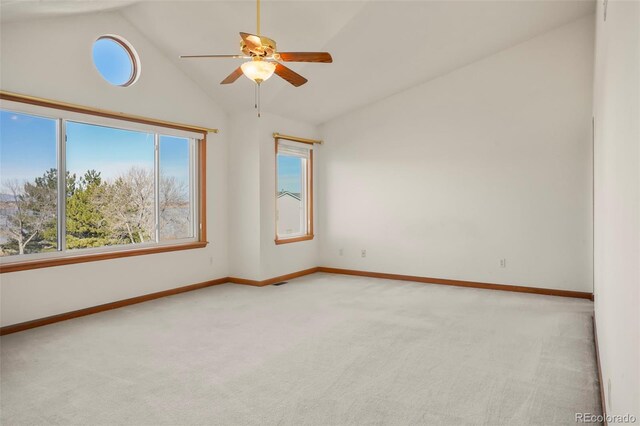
(210, 260)
(363, 252)
(503, 263)
(341, 252)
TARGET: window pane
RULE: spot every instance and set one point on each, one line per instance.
(28, 183)
(176, 204)
(113, 61)
(291, 195)
(110, 186)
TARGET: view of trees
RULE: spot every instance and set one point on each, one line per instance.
(29, 222)
(98, 212)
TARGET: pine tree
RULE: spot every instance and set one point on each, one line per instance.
(85, 221)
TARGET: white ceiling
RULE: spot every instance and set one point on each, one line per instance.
(379, 47)
(17, 10)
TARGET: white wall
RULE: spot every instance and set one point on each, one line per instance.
(617, 203)
(490, 161)
(52, 59)
(244, 197)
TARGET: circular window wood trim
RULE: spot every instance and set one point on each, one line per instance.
(133, 56)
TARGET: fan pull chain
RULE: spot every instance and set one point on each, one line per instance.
(257, 98)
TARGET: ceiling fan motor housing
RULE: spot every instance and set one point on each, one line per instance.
(265, 47)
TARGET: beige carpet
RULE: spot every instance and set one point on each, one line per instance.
(320, 350)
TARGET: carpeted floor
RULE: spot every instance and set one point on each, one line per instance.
(321, 350)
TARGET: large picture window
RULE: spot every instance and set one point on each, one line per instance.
(294, 191)
(71, 187)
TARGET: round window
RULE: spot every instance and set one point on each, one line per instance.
(116, 61)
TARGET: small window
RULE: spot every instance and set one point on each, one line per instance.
(294, 217)
(116, 60)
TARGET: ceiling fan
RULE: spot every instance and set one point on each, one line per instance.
(264, 59)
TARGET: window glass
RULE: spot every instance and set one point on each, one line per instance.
(28, 183)
(110, 186)
(115, 62)
(291, 202)
(176, 185)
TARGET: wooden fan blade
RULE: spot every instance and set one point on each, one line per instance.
(324, 57)
(212, 56)
(233, 76)
(253, 41)
(290, 75)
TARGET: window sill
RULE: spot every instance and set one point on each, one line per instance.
(94, 257)
(294, 239)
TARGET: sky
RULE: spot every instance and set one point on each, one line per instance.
(112, 61)
(28, 149)
(289, 173)
(27, 146)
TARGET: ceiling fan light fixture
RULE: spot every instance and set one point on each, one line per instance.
(258, 70)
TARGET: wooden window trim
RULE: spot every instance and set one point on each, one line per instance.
(309, 235)
(129, 251)
(65, 106)
(294, 239)
(83, 258)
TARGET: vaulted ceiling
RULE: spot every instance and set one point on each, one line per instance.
(379, 47)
